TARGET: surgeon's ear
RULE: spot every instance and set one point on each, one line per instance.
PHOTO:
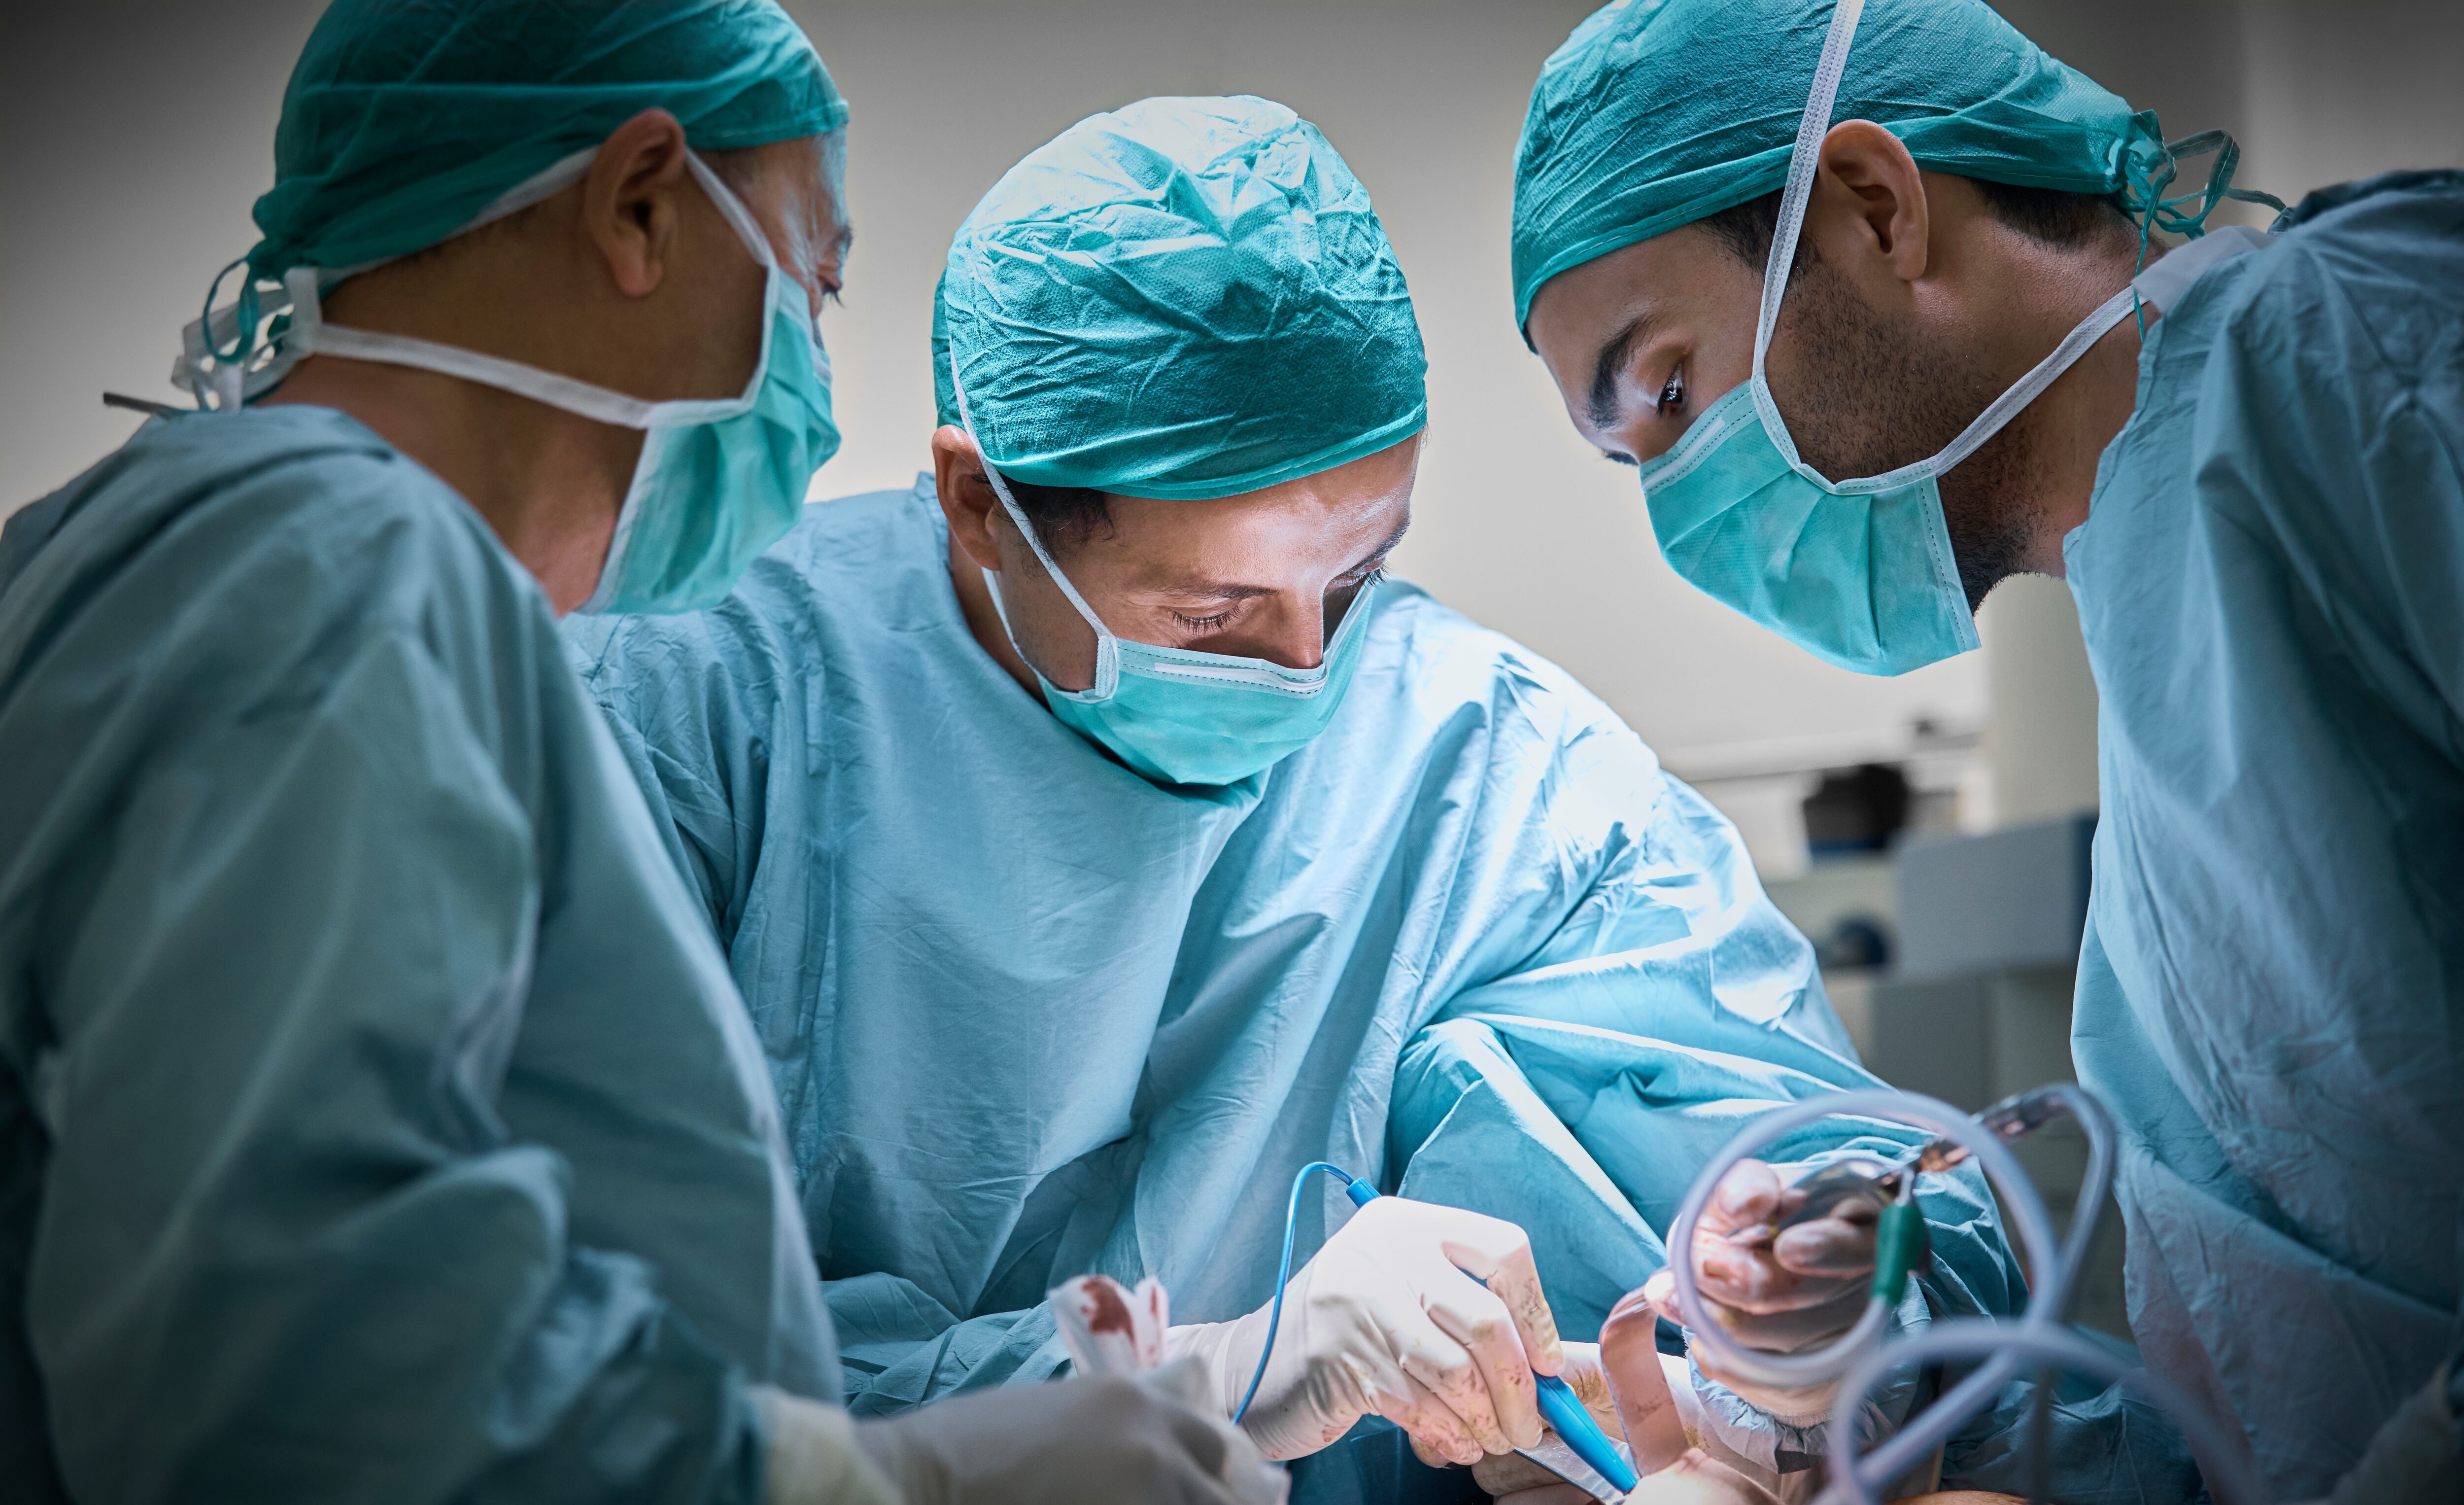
(967, 498)
(1870, 200)
(630, 211)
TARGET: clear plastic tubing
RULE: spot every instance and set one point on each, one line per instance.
(2035, 1339)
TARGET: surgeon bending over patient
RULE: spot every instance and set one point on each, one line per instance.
(377, 1120)
(2245, 457)
(1098, 837)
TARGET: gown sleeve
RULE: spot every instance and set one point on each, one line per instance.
(305, 1259)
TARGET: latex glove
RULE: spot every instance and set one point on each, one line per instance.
(1058, 1444)
(1385, 1321)
(1686, 1476)
(1797, 1291)
(1623, 1384)
(1511, 1476)
(810, 1455)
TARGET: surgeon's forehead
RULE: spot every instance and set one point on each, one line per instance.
(1589, 321)
(1247, 545)
(819, 176)
(801, 182)
(1226, 562)
(1584, 304)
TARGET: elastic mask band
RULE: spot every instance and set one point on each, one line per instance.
(222, 354)
(1804, 162)
(299, 330)
(1108, 651)
(1804, 158)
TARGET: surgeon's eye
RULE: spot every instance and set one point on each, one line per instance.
(1202, 623)
(1672, 393)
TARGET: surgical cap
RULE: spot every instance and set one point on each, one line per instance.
(405, 118)
(1656, 113)
(1184, 298)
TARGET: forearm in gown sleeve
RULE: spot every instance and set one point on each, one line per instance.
(289, 1251)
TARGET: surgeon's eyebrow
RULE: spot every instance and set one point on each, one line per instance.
(1195, 589)
(1377, 556)
(1602, 407)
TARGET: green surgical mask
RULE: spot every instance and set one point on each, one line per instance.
(1174, 715)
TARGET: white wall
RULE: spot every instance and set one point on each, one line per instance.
(135, 132)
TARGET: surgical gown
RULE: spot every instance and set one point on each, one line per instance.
(2271, 581)
(1031, 1014)
(377, 1120)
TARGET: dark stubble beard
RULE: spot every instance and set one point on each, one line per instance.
(1862, 396)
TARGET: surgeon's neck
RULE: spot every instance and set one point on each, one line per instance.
(2071, 423)
(548, 482)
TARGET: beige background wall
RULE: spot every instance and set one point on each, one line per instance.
(135, 132)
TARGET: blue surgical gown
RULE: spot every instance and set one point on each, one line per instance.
(1032, 1015)
(377, 1120)
(2271, 580)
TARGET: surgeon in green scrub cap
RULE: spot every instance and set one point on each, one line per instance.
(1183, 301)
(377, 1120)
(1886, 306)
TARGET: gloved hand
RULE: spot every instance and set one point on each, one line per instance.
(1624, 1386)
(1058, 1444)
(1516, 1480)
(1386, 1322)
(1796, 1290)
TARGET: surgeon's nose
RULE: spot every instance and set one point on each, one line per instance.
(1295, 637)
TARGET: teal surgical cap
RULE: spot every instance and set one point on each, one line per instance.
(405, 118)
(1656, 113)
(1184, 298)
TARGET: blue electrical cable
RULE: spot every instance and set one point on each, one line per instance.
(1284, 1273)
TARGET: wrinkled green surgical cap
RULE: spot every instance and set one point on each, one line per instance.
(1656, 113)
(1184, 298)
(404, 117)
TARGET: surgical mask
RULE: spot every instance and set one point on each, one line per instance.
(718, 480)
(1859, 574)
(1174, 715)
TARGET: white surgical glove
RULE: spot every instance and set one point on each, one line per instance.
(1624, 1384)
(1386, 1322)
(810, 1457)
(1058, 1444)
(1798, 1290)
